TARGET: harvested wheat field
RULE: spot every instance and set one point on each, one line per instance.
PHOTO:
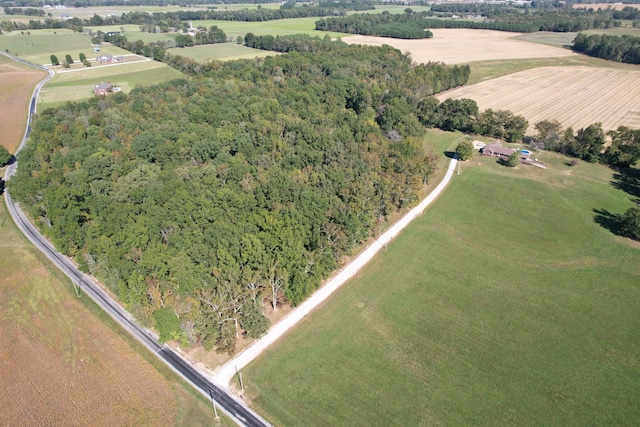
(16, 84)
(456, 46)
(575, 96)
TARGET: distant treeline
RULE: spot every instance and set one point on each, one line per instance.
(103, 3)
(20, 11)
(564, 20)
(179, 19)
(614, 48)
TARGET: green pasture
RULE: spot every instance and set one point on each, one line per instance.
(484, 70)
(78, 85)
(220, 51)
(275, 28)
(549, 38)
(133, 33)
(504, 304)
(40, 44)
(393, 8)
(621, 31)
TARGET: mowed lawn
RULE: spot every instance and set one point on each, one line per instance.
(39, 45)
(220, 51)
(78, 85)
(504, 304)
(278, 27)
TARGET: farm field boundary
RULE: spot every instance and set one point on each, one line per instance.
(575, 96)
(457, 46)
(16, 84)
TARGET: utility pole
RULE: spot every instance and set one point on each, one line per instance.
(76, 288)
(240, 379)
(213, 402)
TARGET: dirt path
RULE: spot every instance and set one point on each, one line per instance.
(225, 373)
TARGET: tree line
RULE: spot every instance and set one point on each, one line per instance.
(202, 203)
(624, 48)
(563, 20)
(588, 143)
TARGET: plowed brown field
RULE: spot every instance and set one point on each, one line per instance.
(575, 96)
(16, 84)
(456, 46)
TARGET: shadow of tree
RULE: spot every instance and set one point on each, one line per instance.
(627, 180)
(608, 220)
(1, 186)
(451, 154)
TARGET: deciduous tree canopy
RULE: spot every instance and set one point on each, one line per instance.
(213, 198)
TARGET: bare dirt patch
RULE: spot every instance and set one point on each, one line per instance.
(456, 46)
(575, 96)
(16, 84)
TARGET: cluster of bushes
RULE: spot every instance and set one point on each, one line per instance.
(29, 11)
(614, 48)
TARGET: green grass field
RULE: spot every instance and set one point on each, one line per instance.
(616, 31)
(78, 85)
(41, 44)
(504, 304)
(220, 51)
(275, 28)
(484, 70)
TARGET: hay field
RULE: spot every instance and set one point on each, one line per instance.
(575, 96)
(16, 85)
(457, 46)
(63, 361)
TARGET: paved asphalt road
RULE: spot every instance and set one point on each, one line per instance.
(228, 403)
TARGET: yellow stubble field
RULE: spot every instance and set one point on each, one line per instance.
(575, 96)
(457, 46)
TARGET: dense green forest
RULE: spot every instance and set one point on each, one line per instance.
(202, 202)
(614, 48)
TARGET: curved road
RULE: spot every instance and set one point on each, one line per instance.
(228, 403)
(225, 373)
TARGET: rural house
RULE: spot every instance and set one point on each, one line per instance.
(497, 150)
(109, 59)
(102, 88)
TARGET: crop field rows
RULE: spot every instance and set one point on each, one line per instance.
(458, 46)
(575, 96)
